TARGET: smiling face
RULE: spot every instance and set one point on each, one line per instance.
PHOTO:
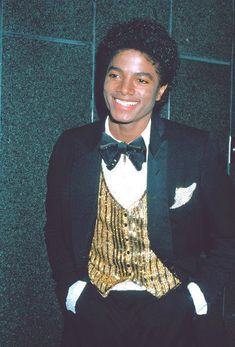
(131, 88)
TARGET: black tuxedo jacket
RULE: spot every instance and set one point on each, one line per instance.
(195, 240)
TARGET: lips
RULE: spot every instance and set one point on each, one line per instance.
(127, 104)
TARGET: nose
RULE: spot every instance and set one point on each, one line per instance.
(126, 86)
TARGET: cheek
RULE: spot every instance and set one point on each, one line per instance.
(106, 96)
(150, 96)
(107, 88)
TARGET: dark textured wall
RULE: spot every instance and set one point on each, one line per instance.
(47, 84)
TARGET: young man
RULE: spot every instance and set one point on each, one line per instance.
(140, 213)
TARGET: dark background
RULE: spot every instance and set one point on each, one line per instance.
(47, 85)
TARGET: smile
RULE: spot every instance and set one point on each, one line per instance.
(125, 103)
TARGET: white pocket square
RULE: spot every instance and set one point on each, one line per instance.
(183, 195)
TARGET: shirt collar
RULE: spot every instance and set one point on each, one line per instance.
(145, 134)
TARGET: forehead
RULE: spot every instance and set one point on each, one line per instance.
(131, 59)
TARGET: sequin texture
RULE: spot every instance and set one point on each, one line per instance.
(120, 248)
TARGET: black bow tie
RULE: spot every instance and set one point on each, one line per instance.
(111, 151)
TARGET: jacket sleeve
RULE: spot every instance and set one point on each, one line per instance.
(56, 237)
(219, 208)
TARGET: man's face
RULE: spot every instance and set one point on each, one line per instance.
(131, 87)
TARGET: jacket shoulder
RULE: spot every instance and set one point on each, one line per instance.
(187, 141)
(186, 131)
(73, 140)
(82, 131)
(187, 137)
(87, 134)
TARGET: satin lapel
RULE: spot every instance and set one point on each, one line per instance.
(175, 161)
(84, 192)
(158, 212)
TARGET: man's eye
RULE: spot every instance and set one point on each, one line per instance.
(140, 80)
(113, 75)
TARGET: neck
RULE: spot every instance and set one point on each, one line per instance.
(127, 132)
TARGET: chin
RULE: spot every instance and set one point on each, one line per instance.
(121, 120)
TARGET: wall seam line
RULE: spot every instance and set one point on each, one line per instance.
(205, 59)
(47, 38)
(170, 25)
(93, 62)
(231, 107)
(1, 61)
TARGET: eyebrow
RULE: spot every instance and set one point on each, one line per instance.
(140, 74)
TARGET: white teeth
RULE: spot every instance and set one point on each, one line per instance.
(126, 103)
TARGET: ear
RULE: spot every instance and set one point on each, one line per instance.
(160, 92)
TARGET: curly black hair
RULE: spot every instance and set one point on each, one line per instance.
(146, 36)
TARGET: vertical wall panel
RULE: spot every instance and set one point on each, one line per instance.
(46, 88)
(109, 12)
(203, 28)
(67, 19)
(201, 98)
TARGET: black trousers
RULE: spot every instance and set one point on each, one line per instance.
(133, 318)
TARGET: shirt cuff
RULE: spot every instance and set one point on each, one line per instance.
(198, 297)
(75, 290)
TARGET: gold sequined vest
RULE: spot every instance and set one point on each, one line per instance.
(120, 248)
